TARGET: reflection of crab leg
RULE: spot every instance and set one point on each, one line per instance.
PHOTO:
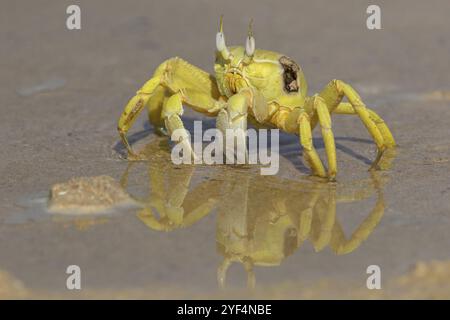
(323, 221)
(223, 268)
(341, 245)
(306, 217)
(149, 218)
(235, 228)
(182, 83)
(177, 205)
(333, 94)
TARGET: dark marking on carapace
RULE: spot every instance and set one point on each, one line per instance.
(290, 74)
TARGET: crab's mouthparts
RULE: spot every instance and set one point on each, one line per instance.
(235, 81)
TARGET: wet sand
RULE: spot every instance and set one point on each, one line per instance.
(288, 236)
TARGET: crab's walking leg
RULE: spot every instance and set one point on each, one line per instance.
(333, 94)
(328, 138)
(133, 108)
(174, 83)
(311, 155)
(346, 108)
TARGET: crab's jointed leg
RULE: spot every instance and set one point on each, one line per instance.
(328, 138)
(133, 108)
(333, 95)
(311, 155)
(175, 82)
(346, 108)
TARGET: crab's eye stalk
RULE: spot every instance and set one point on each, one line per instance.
(250, 42)
(220, 41)
(250, 46)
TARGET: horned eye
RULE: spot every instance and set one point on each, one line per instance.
(250, 42)
(220, 41)
(250, 46)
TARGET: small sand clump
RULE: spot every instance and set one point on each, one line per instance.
(87, 195)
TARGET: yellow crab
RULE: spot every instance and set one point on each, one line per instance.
(266, 87)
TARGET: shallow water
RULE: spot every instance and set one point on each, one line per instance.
(222, 231)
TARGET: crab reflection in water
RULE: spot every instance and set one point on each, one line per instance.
(261, 220)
